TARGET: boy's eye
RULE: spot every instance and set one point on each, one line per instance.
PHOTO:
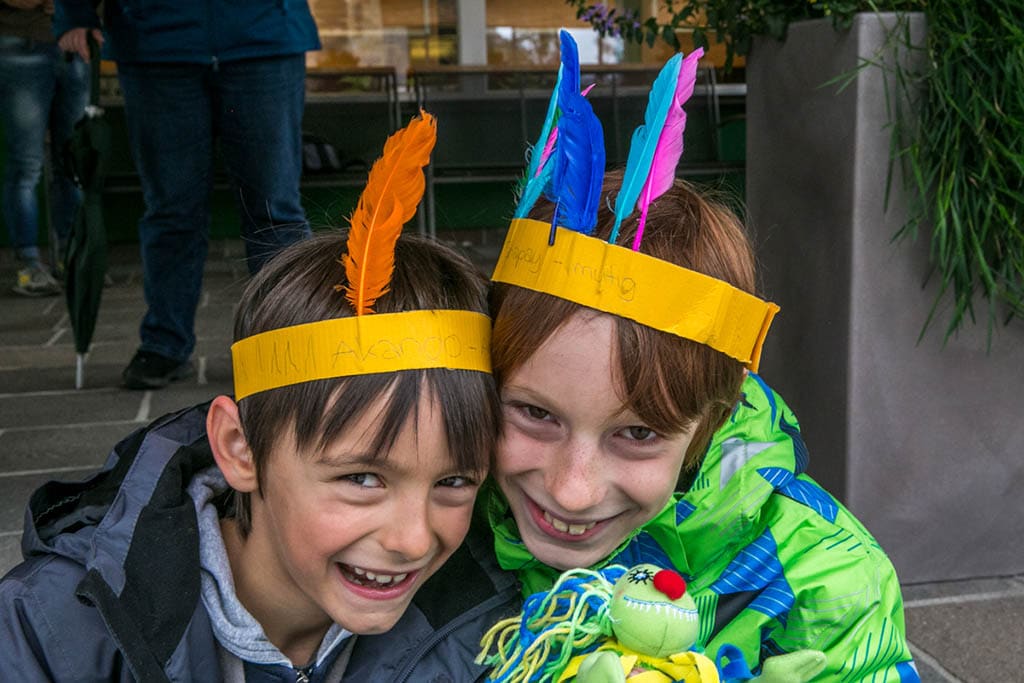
(535, 413)
(525, 412)
(457, 482)
(364, 479)
(639, 433)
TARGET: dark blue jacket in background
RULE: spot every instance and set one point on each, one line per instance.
(194, 31)
(110, 589)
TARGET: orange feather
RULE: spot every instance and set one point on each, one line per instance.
(389, 201)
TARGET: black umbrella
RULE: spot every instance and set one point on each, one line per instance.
(87, 155)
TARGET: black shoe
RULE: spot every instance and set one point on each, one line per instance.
(150, 370)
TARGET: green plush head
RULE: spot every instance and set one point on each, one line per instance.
(652, 613)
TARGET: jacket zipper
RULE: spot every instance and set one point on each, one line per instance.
(406, 671)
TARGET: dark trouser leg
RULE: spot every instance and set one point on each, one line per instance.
(259, 122)
(170, 127)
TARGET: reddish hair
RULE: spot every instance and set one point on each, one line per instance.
(673, 384)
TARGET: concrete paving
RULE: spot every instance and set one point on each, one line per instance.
(964, 631)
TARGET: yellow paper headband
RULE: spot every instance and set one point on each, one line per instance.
(369, 343)
(633, 285)
(361, 345)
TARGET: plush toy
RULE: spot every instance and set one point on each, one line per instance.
(617, 625)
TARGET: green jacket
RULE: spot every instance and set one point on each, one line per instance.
(773, 561)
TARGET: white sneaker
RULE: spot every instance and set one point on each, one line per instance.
(36, 281)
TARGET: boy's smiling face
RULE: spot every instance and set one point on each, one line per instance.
(349, 536)
(579, 469)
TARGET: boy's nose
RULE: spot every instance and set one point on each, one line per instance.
(575, 480)
(408, 534)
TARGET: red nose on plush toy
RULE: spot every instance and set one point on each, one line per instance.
(670, 583)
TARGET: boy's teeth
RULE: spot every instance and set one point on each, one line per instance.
(383, 579)
(571, 529)
(555, 522)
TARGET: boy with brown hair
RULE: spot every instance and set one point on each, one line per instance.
(297, 531)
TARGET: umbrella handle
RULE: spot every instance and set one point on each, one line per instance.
(79, 370)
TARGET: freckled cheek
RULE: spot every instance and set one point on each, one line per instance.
(518, 453)
(650, 487)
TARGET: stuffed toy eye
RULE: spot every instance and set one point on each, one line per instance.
(640, 575)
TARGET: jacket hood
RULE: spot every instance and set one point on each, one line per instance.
(93, 523)
(757, 452)
(90, 521)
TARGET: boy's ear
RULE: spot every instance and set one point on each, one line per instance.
(229, 445)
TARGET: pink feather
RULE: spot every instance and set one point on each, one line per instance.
(549, 147)
(670, 142)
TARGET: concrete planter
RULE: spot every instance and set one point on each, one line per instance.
(924, 443)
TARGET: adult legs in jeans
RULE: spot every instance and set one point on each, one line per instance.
(258, 110)
(39, 89)
(170, 127)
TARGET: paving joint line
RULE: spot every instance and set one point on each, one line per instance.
(64, 321)
(57, 392)
(969, 597)
(922, 655)
(48, 470)
(47, 309)
(56, 336)
(69, 425)
(144, 407)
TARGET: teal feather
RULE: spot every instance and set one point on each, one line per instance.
(532, 191)
(645, 142)
(538, 173)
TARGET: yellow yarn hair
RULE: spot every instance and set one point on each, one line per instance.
(552, 628)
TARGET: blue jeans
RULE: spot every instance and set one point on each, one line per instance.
(39, 89)
(174, 113)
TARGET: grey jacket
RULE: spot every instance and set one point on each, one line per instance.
(110, 587)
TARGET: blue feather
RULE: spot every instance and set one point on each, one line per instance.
(569, 73)
(645, 141)
(570, 77)
(578, 156)
(578, 164)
